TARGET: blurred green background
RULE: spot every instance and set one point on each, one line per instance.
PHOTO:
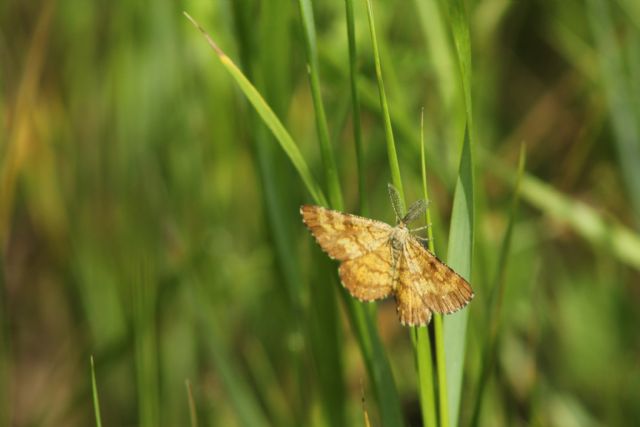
(148, 218)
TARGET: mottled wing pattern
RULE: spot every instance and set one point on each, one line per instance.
(344, 236)
(369, 277)
(440, 288)
(411, 307)
(421, 283)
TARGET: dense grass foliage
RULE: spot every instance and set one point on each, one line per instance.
(155, 270)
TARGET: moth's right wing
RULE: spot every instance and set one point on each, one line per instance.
(343, 236)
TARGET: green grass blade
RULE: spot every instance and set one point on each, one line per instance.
(424, 358)
(193, 415)
(462, 218)
(396, 177)
(392, 416)
(441, 368)
(460, 29)
(269, 118)
(355, 104)
(497, 295)
(459, 258)
(94, 393)
(328, 159)
(428, 402)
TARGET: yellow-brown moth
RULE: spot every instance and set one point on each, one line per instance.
(378, 260)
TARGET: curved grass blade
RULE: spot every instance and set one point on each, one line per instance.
(269, 118)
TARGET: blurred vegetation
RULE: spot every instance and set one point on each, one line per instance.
(150, 219)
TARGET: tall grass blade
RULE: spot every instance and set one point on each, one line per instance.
(424, 358)
(497, 296)
(396, 177)
(193, 415)
(355, 104)
(392, 416)
(94, 393)
(328, 159)
(459, 24)
(459, 258)
(462, 217)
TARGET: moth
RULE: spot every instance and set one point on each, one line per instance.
(378, 260)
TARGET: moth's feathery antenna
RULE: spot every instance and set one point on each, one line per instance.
(394, 196)
(415, 210)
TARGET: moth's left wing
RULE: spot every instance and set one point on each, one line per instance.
(344, 236)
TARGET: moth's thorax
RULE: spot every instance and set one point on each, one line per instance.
(399, 236)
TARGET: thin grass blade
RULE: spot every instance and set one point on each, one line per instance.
(94, 393)
(394, 166)
(355, 104)
(269, 118)
(193, 415)
(459, 258)
(424, 357)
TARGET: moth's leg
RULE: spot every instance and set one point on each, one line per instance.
(422, 239)
(424, 227)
